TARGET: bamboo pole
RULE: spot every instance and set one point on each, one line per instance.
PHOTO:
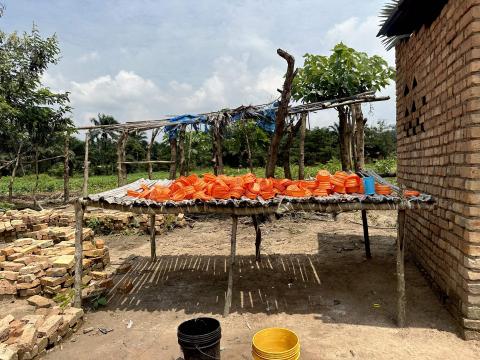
(401, 300)
(66, 169)
(233, 246)
(86, 165)
(79, 212)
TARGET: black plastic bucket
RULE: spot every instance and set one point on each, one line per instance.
(199, 339)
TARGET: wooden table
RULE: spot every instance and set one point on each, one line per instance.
(116, 200)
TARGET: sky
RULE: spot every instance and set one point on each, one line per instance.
(144, 59)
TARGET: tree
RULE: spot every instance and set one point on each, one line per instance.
(104, 140)
(346, 72)
(282, 113)
(30, 114)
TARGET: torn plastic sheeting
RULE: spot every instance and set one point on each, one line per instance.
(172, 130)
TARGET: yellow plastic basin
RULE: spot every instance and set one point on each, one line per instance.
(275, 344)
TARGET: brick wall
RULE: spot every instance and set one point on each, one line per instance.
(438, 126)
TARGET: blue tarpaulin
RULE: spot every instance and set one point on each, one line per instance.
(172, 130)
(264, 117)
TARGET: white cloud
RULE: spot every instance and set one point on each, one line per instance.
(129, 96)
(361, 35)
(87, 57)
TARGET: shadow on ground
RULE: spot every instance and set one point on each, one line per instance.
(336, 285)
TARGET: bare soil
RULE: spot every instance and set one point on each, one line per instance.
(313, 278)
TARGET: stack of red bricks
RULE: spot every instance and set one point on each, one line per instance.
(59, 223)
(30, 267)
(438, 129)
(30, 336)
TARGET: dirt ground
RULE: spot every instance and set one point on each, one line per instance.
(313, 279)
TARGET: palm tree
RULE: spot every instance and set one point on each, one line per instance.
(103, 136)
(103, 141)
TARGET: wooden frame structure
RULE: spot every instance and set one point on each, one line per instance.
(116, 200)
(215, 119)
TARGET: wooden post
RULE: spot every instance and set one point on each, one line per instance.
(79, 211)
(249, 150)
(181, 150)
(301, 160)
(292, 131)
(401, 301)
(14, 172)
(149, 152)
(217, 147)
(282, 113)
(153, 246)
(366, 238)
(233, 246)
(344, 138)
(189, 154)
(85, 165)
(258, 237)
(173, 158)
(359, 137)
(37, 174)
(121, 166)
(66, 169)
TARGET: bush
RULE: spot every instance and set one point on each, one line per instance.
(56, 170)
(386, 166)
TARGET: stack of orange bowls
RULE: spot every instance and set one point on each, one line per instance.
(382, 189)
(338, 181)
(352, 184)
(324, 186)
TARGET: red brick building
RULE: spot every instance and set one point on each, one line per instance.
(437, 46)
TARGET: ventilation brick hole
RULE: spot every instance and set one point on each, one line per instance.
(424, 100)
(417, 121)
(406, 91)
(407, 112)
(414, 83)
(414, 107)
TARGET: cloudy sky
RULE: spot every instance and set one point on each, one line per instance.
(143, 59)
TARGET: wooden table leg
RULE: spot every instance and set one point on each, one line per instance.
(233, 246)
(366, 238)
(258, 237)
(153, 246)
(79, 212)
(401, 304)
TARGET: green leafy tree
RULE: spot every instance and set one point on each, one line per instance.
(30, 114)
(346, 72)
